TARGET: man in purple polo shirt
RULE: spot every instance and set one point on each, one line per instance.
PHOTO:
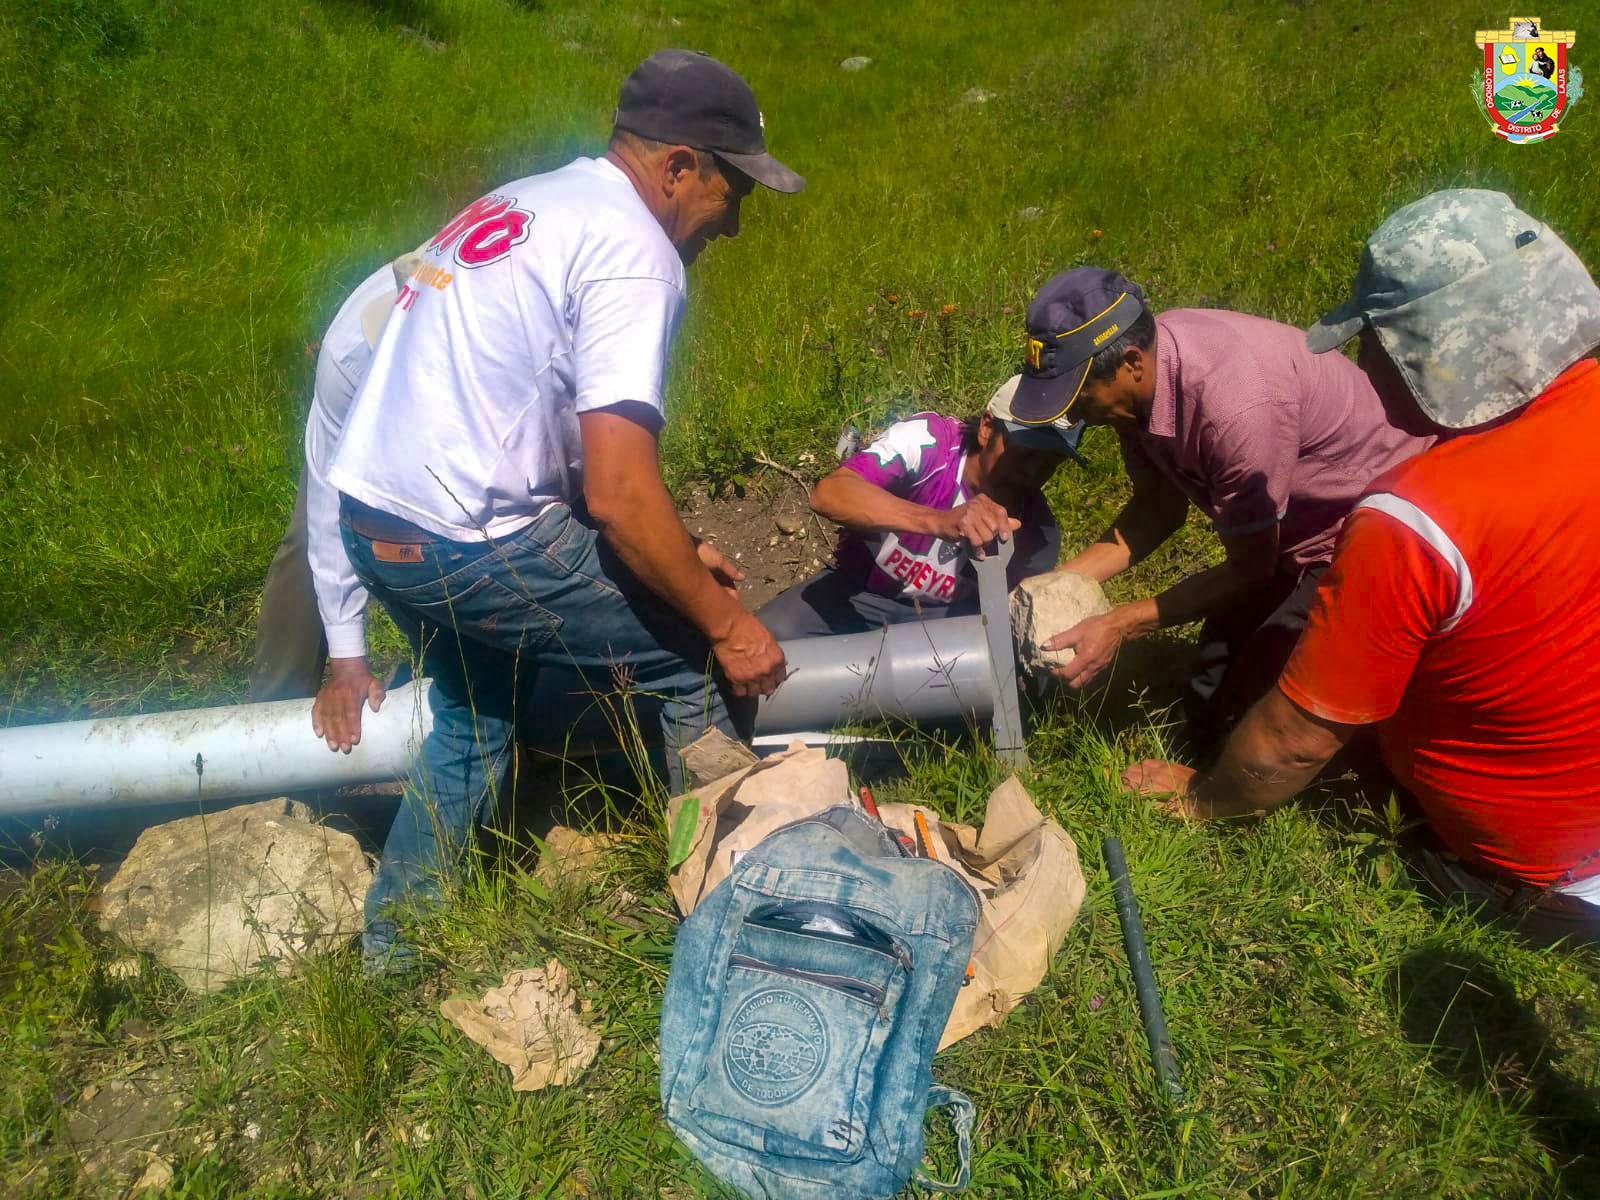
(1232, 413)
(916, 505)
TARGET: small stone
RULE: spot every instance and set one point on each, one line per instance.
(431, 45)
(1032, 213)
(790, 524)
(253, 1131)
(573, 859)
(157, 1176)
(977, 95)
(773, 540)
(855, 62)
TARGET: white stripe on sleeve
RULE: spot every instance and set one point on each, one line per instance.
(1424, 526)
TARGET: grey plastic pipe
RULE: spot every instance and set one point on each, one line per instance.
(918, 671)
(925, 671)
(218, 753)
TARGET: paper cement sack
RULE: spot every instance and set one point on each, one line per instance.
(713, 824)
(532, 1023)
(1023, 866)
(1030, 888)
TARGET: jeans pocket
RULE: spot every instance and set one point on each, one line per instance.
(481, 607)
(443, 570)
(564, 543)
(808, 1004)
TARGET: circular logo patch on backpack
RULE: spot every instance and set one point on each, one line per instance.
(776, 1046)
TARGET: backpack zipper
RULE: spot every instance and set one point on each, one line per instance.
(854, 988)
(780, 921)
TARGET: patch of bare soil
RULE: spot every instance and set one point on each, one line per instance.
(769, 531)
(122, 1122)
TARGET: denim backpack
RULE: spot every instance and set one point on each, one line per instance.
(807, 995)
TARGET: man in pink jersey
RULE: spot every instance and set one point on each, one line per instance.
(1230, 413)
(1459, 613)
(916, 505)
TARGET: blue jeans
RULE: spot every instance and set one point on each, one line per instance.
(483, 618)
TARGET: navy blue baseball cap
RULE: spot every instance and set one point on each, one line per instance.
(1076, 314)
(689, 98)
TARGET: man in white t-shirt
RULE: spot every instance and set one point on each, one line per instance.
(501, 491)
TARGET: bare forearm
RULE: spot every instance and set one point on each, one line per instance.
(1188, 600)
(1145, 521)
(1101, 559)
(1204, 594)
(849, 500)
(638, 521)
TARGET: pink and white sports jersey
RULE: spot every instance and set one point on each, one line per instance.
(921, 460)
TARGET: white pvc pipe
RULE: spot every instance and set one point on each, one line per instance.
(935, 670)
(202, 753)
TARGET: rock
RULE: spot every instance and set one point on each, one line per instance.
(156, 1176)
(217, 895)
(531, 1024)
(790, 524)
(572, 859)
(855, 62)
(977, 96)
(1046, 605)
(1032, 213)
(713, 756)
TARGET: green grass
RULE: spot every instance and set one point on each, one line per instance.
(191, 187)
(1339, 1034)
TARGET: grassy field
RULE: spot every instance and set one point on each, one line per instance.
(192, 187)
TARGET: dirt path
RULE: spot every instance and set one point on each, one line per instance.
(770, 532)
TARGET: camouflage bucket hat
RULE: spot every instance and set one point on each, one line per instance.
(1479, 305)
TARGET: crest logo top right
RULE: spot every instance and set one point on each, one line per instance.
(1526, 87)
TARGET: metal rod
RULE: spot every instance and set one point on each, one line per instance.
(995, 609)
(1162, 1057)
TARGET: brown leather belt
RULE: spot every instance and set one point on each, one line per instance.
(383, 527)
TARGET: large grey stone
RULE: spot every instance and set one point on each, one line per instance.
(1044, 606)
(215, 896)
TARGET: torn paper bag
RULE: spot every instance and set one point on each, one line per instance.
(531, 1023)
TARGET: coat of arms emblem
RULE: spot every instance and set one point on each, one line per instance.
(1526, 87)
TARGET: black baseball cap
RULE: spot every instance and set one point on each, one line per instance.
(1074, 316)
(690, 99)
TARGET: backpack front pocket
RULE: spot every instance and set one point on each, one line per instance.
(809, 1001)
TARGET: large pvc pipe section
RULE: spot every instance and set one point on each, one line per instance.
(918, 671)
(202, 753)
(922, 671)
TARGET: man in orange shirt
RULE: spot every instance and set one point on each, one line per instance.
(1461, 609)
